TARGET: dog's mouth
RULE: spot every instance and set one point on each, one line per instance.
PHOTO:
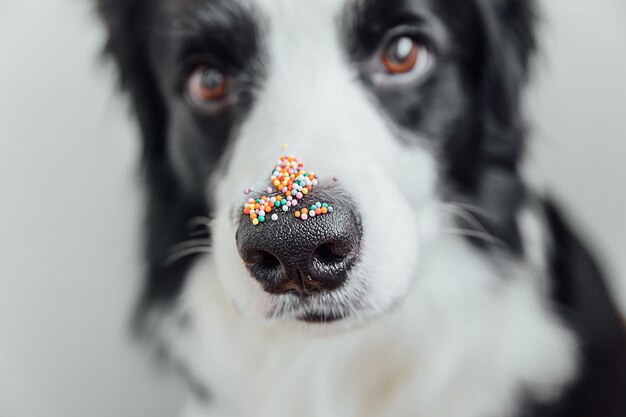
(317, 308)
(321, 318)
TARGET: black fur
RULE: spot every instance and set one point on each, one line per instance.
(150, 42)
(470, 106)
(580, 294)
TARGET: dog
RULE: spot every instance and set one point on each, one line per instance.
(443, 284)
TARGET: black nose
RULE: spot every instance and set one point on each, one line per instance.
(302, 256)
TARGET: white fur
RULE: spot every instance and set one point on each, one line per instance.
(444, 330)
(470, 335)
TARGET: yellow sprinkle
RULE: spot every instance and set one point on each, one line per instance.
(255, 221)
(285, 146)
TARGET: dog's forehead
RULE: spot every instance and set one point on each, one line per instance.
(278, 9)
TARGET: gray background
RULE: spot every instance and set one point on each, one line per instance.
(70, 212)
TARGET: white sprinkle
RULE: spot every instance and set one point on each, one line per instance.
(274, 216)
(285, 208)
(303, 216)
(312, 213)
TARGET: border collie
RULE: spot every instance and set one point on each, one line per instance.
(441, 285)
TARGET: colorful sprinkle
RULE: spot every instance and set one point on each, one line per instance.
(291, 182)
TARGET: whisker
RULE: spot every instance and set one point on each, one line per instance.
(464, 214)
(472, 208)
(190, 242)
(475, 234)
(184, 253)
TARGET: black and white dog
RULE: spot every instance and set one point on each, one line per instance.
(441, 286)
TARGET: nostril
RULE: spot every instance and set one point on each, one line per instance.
(266, 261)
(328, 253)
(265, 267)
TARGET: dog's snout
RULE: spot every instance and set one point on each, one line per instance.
(302, 256)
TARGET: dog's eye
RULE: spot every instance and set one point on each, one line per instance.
(404, 54)
(206, 84)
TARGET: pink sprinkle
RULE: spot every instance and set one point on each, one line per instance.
(299, 195)
(303, 216)
(268, 189)
(289, 198)
(251, 200)
(294, 203)
(284, 190)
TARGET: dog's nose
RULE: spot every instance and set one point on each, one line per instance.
(302, 256)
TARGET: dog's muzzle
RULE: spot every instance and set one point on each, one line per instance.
(303, 257)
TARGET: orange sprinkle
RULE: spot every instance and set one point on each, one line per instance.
(324, 210)
(305, 211)
(297, 213)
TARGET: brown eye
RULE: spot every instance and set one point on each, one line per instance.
(206, 84)
(401, 55)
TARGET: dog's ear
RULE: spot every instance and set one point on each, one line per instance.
(168, 211)
(484, 167)
(128, 32)
(509, 43)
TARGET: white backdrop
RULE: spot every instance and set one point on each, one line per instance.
(70, 215)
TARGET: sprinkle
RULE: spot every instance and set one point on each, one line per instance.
(285, 146)
(289, 182)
